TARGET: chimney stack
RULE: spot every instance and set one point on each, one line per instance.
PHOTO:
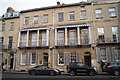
(58, 3)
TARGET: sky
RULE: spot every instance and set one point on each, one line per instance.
(19, 5)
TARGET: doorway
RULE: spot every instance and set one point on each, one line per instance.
(11, 61)
(87, 58)
(45, 58)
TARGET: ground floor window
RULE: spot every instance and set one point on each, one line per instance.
(28, 58)
(66, 57)
(73, 57)
(103, 54)
(61, 58)
(116, 53)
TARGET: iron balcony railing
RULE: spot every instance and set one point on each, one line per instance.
(33, 44)
(6, 46)
(108, 40)
(73, 42)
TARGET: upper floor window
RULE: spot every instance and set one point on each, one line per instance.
(85, 36)
(11, 26)
(72, 37)
(43, 38)
(61, 16)
(34, 39)
(98, 13)
(83, 14)
(2, 28)
(112, 12)
(101, 34)
(115, 34)
(35, 20)
(72, 15)
(10, 42)
(60, 37)
(45, 18)
(26, 21)
(1, 42)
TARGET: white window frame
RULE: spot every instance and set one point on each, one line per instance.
(112, 12)
(59, 58)
(83, 14)
(24, 39)
(12, 26)
(115, 32)
(74, 39)
(35, 19)
(34, 38)
(61, 16)
(26, 20)
(99, 13)
(45, 18)
(101, 32)
(61, 40)
(31, 58)
(117, 54)
(85, 38)
(21, 59)
(44, 34)
(72, 15)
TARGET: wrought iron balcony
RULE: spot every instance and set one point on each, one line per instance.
(109, 40)
(33, 44)
(73, 42)
(5, 46)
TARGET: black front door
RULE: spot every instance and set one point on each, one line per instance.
(45, 59)
(11, 61)
(87, 58)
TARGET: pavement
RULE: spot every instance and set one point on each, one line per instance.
(25, 72)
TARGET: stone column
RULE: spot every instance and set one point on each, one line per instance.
(78, 33)
(27, 38)
(38, 37)
(66, 39)
(56, 36)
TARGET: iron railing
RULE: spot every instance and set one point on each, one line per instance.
(108, 40)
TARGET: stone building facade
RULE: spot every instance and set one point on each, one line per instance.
(57, 35)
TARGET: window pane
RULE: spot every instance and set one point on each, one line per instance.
(34, 39)
(73, 57)
(26, 20)
(100, 31)
(45, 18)
(85, 36)
(72, 15)
(60, 37)
(24, 39)
(83, 14)
(72, 37)
(61, 58)
(33, 58)
(117, 54)
(60, 16)
(10, 42)
(11, 26)
(35, 20)
(112, 12)
(98, 13)
(103, 54)
(44, 38)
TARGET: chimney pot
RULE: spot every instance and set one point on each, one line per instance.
(58, 3)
